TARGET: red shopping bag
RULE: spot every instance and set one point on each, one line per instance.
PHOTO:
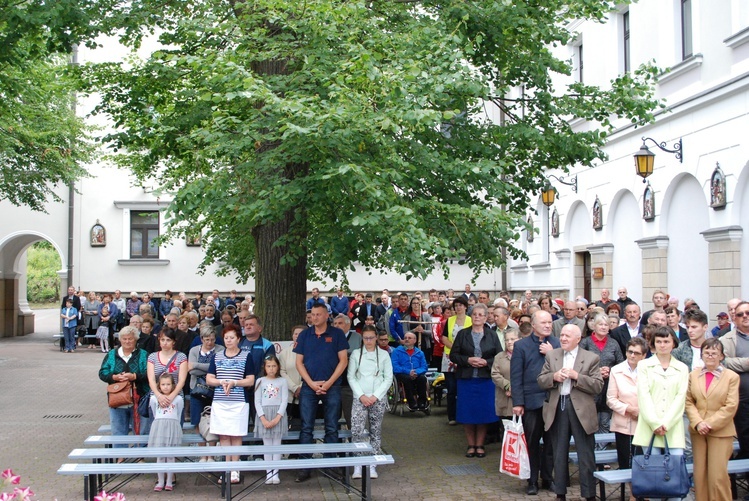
(515, 460)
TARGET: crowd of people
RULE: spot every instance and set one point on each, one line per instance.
(569, 368)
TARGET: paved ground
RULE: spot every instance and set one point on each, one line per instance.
(52, 401)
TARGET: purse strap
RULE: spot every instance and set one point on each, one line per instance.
(665, 447)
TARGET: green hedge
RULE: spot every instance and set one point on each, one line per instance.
(42, 281)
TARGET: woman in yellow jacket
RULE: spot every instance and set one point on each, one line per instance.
(712, 401)
(661, 393)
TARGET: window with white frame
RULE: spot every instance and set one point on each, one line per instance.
(144, 230)
(626, 54)
(686, 29)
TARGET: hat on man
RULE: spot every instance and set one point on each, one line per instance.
(722, 314)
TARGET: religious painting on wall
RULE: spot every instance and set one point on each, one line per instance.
(597, 215)
(530, 230)
(98, 235)
(718, 188)
(555, 223)
(648, 204)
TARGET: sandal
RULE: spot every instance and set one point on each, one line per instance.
(235, 477)
(471, 451)
(158, 488)
(480, 451)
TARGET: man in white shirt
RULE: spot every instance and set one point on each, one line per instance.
(631, 328)
(573, 378)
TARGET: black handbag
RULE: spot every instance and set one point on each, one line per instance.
(144, 404)
(659, 475)
(202, 390)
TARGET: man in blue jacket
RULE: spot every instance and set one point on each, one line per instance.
(410, 367)
(528, 398)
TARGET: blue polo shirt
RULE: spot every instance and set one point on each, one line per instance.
(321, 352)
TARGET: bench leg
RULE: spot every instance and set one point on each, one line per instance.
(226, 485)
(621, 489)
(366, 484)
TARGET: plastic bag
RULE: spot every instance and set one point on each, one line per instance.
(515, 461)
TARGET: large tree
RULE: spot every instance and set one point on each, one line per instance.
(304, 138)
(42, 140)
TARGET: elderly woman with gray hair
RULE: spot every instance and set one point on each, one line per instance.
(198, 362)
(608, 350)
(473, 352)
(125, 364)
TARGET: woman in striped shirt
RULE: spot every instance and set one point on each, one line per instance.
(232, 371)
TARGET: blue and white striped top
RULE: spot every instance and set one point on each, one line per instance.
(233, 368)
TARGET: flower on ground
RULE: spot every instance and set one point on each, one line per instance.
(8, 476)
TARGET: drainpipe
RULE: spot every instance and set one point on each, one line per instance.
(71, 194)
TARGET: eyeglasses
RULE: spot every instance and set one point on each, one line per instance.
(741, 314)
(582, 309)
(707, 354)
(631, 352)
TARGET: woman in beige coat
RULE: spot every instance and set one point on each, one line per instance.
(712, 400)
(501, 376)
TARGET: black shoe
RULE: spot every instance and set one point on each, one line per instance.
(532, 489)
(302, 476)
(548, 485)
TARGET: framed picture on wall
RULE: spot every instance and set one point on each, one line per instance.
(555, 223)
(530, 230)
(648, 204)
(597, 215)
(98, 235)
(193, 238)
(718, 188)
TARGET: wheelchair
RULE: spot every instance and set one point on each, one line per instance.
(397, 403)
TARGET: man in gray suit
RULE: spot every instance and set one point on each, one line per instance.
(570, 317)
(572, 377)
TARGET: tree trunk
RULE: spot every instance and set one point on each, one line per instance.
(281, 288)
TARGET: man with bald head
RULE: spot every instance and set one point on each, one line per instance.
(569, 317)
(528, 398)
(572, 376)
(731, 306)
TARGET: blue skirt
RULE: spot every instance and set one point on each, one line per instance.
(476, 401)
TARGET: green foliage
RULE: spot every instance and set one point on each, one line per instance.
(42, 141)
(42, 281)
(364, 120)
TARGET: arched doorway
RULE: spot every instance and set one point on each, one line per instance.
(16, 318)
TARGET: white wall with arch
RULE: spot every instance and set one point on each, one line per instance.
(624, 225)
(684, 216)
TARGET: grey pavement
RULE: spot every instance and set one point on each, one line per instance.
(52, 401)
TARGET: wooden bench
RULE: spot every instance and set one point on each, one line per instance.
(194, 438)
(91, 471)
(108, 455)
(107, 428)
(622, 477)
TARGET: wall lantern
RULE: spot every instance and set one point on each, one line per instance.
(644, 158)
(549, 193)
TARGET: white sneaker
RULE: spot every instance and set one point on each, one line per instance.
(357, 472)
(268, 477)
(276, 477)
(373, 471)
(235, 477)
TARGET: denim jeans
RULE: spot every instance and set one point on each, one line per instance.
(196, 407)
(69, 335)
(121, 419)
(331, 402)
